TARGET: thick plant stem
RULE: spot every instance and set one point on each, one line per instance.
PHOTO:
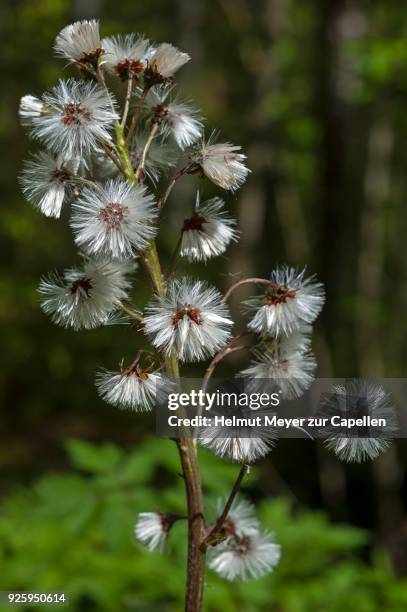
(196, 556)
(186, 447)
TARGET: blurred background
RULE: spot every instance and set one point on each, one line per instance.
(316, 93)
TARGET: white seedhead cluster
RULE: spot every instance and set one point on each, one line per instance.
(104, 159)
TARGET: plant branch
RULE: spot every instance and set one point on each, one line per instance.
(130, 83)
(227, 350)
(111, 156)
(213, 536)
(186, 170)
(245, 281)
(185, 445)
(132, 313)
(174, 256)
(137, 114)
(150, 139)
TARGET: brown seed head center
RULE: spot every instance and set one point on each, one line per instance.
(189, 311)
(160, 112)
(113, 215)
(136, 371)
(279, 294)
(92, 56)
(61, 175)
(194, 223)
(75, 114)
(129, 69)
(82, 284)
(241, 545)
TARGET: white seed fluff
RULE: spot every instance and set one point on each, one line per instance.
(46, 182)
(352, 400)
(79, 42)
(77, 117)
(208, 232)
(125, 56)
(284, 366)
(116, 220)
(134, 388)
(84, 299)
(151, 530)
(222, 163)
(30, 107)
(166, 59)
(245, 556)
(236, 444)
(190, 320)
(288, 302)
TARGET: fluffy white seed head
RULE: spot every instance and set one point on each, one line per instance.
(183, 122)
(286, 304)
(125, 56)
(356, 399)
(222, 163)
(151, 530)
(47, 182)
(177, 119)
(76, 117)
(164, 62)
(284, 366)
(79, 42)
(190, 319)
(84, 299)
(238, 444)
(245, 556)
(116, 220)
(134, 388)
(208, 232)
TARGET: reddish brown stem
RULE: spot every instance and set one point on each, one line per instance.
(245, 281)
(196, 525)
(211, 537)
(189, 169)
(227, 350)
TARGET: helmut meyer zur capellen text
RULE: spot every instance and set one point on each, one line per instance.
(253, 401)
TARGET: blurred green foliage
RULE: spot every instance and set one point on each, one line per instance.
(72, 532)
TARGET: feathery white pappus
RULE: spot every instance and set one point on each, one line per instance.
(79, 42)
(177, 119)
(244, 556)
(356, 399)
(134, 388)
(125, 56)
(190, 319)
(164, 62)
(115, 220)
(239, 444)
(222, 163)
(151, 530)
(84, 299)
(75, 118)
(287, 303)
(208, 232)
(286, 364)
(30, 107)
(46, 182)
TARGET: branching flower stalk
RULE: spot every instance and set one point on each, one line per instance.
(110, 167)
